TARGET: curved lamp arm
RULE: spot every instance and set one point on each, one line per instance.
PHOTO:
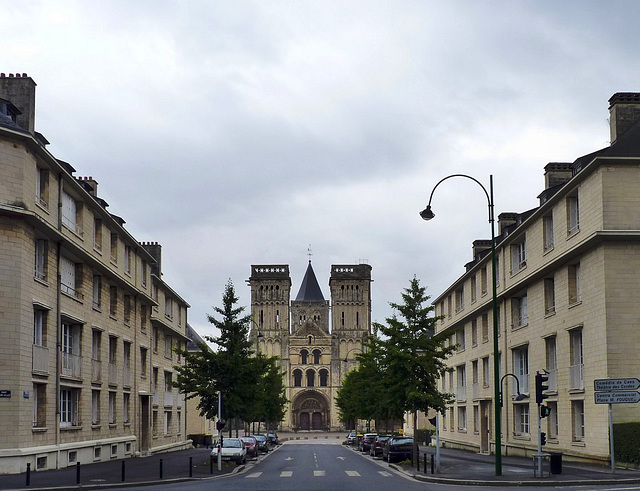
(519, 396)
(427, 213)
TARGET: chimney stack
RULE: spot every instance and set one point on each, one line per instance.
(155, 250)
(557, 173)
(20, 90)
(624, 112)
(505, 219)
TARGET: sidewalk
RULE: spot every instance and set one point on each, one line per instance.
(468, 468)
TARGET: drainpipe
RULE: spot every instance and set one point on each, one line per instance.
(58, 323)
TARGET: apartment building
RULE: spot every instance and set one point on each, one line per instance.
(86, 320)
(567, 270)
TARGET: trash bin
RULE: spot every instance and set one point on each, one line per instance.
(555, 463)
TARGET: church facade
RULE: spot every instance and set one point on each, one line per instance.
(316, 340)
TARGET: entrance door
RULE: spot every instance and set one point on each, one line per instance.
(144, 424)
(316, 421)
(304, 421)
(484, 427)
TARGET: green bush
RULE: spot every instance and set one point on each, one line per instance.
(625, 439)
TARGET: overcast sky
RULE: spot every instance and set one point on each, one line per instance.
(238, 133)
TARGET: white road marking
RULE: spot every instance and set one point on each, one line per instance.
(318, 473)
(341, 458)
(353, 473)
(255, 474)
(384, 473)
(286, 474)
(289, 458)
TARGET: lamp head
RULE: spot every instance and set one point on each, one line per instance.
(427, 214)
(519, 397)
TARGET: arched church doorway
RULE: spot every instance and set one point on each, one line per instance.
(311, 411)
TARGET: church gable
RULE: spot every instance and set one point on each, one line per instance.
(309, 328)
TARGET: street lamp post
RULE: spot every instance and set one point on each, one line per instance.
(427, 214)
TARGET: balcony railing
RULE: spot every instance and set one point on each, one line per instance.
(156, 398)
(126, 377)
(40, 359)
(575, 377)
(113, 374)
(523, 380)
(553, 379)
(168, 399)
(96, 371)
(71, 365)
(179, 399)
(476, 390)
(71, 291)
(461, 393)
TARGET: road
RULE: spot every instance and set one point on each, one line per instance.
(316, 466)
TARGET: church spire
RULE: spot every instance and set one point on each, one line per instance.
(310, 290)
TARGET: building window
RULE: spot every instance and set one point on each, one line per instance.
(462, 418)
(97, 234)
(461, 387)
(459, 296)
(96, 356)
(573, 214)
(520, 311)
(143, 280)
(577, 419)
(71, 213)
(518, 255)
(39, 327)
(41, 263)
(451, 419)
(95, 407)
(303, 356)
(126, 362)
(127, 309)
(547, 232)
(474, 332)
(69, 399)
(324, 378)
(476, 419)
(574, 283)
(114, 248)
(549, 296)
(316, 356)
(113, 360)
(42, 187)
(551, 362)
(143, 318)
(168, 345)
(39, 405)
(497, 269)
(552, 420)
(71, 359)
(473, 288)
(112, 408)
(449, 307)
(143, 362)
(311, 377)
(483, 281)
(577, 361)
(168, 382)
(167, 422)
(156, 335)
(485, 327)
(113, 301)
(486, 374)
(297, 378)
(127, 259)
(97, 291)
(125, 407)
(168, 307)
(521, 368)
(71, 277)
(460, 340)
(521, 419)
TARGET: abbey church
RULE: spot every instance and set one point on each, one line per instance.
(316, 339)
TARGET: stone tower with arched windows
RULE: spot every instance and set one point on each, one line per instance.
(315, 339)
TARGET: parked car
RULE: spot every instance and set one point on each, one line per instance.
(376, 446)
(351, 438)
(272, 439)
(397, 448)
(262, 443)
(251, 444)
(366, 441)
(232, 449)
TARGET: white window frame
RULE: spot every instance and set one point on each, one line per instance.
(40, 267)
(462, 418)
(521, 419)
(39, 326)
(69, 399)
(97, 291)
(574, 281)
(547, 232)
(549, 296)
(519, 255)
(573, 214)
(577, 420)
(69, 211)
(520, 311)
(95, 407)
(521, 368)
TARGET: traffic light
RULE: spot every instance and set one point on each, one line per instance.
(432, 421)
(541, 378)
(220, 425)
(543, 438)
(544, 411)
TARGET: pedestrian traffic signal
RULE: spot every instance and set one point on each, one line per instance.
(541, 378)
(220, 425)
(544, 411)
(543, 438)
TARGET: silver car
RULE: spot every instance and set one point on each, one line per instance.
(232, 449)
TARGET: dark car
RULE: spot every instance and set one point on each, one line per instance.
(251, 445)
(376, 446)
(262, 443)
(397, 448)
(272, 438)
(366, 441)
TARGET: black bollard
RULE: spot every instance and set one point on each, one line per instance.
(210, 464)
(418, 462)
(432, 465)
(122, 470)
(425, 462)
(28, 473)
(160, 468)
(77, 472)
(190, 466)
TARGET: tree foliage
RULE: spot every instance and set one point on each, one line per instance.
(251, 384)
(400, 367)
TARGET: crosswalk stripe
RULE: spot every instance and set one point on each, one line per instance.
(353, 473)
(255, 474)
(384, 473)
(286, 473)
(318, 473)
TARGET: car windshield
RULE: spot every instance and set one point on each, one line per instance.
(401, 441)
(260, 438)
(231, 443)
(249, 440)
(383, 438)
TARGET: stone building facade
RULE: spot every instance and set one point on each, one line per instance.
(86, 320)
(567, 273)
(316, 340)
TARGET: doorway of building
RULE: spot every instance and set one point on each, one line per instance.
(316, 421)
(484, 427)
(311, 411)
(304, 421)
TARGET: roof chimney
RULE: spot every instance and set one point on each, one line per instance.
(556, 173)
(20, 90)
(624, 112)
(505, 219)
(480, 245)
(155, 250)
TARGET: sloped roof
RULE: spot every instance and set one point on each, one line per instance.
(194, 338)
(310, 290)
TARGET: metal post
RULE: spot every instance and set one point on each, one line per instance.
(425, 461)
(431, 463)
(437, 442)
(122, 476)
(539, 443)
(77, 472)
(160, 468)
(613, 455)
(28, 473)
(210, 464)
(190, 466)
